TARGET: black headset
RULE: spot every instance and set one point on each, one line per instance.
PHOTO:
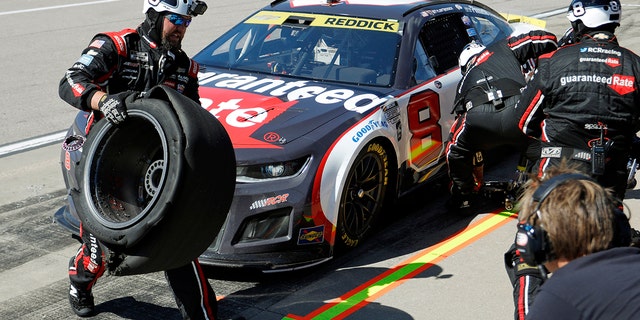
(532, 242)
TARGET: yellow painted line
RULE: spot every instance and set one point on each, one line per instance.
(359, 297)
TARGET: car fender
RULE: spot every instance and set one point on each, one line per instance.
(335, 167)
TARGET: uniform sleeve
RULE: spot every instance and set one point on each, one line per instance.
(533, 44)
(89, 73)
(530, 107)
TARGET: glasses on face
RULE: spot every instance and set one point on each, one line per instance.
(178, 20)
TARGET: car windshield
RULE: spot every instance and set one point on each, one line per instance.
(356, 51)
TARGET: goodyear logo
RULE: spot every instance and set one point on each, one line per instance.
(319, 20)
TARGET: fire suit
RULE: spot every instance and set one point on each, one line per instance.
(484, 102)
(116, 62)
(578, 93)
(582, 97)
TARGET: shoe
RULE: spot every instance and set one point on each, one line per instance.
(464, 204)
(81, 302)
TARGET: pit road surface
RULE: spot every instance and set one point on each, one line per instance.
(427, 265)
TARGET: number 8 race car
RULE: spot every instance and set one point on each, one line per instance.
(334, 109)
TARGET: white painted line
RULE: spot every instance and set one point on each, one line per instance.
(549, 13)
(32, 143)
(56, 7)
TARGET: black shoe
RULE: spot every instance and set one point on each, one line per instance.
(81, 302)
(463, 204)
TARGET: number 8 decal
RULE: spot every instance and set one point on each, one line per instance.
(423, 112)
(578, 9)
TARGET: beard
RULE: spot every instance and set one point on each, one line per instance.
(169, 44)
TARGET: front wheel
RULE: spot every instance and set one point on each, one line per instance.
(363, 195)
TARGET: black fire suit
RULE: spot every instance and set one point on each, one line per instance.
(484, 101)
(576, 91)
(130, 60)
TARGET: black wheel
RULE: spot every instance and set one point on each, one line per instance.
(156, 188)
(363, 195)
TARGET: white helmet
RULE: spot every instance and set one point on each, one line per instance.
(470, 50)
(595, 13)
(181, 7)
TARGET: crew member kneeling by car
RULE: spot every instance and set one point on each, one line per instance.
(114, 69)
(492, 79)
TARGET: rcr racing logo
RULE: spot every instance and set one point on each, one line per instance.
(600, 50)
(294, 90)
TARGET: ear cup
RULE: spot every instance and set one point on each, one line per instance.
(533, 244)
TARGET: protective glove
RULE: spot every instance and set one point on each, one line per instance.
(114, 106)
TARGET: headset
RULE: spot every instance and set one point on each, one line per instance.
(532, 242)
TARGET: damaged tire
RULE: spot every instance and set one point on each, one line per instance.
(156, 188)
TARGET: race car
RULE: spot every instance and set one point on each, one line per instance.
(335, 109)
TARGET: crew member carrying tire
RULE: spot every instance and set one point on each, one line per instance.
(113, 71)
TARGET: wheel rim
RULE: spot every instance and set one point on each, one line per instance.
(123, 183)
(363, 194)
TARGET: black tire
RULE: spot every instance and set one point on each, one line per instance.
(156, 188)
(363, 195)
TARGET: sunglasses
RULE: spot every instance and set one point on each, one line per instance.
(178, 20)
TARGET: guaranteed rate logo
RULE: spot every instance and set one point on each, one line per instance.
(619, 83)
(293, 90)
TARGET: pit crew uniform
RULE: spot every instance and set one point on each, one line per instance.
(117, 62)
(570, 103)
(579, 92)
(484, 102)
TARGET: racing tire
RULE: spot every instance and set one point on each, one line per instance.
(156, 188)
(363, 195)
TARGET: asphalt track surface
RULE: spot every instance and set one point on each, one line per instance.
(425, 264)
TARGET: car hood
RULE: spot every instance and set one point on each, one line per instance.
(262, 111)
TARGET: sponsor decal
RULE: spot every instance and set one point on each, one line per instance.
(433, 12)
(619, 83)
(271, 137)
(85, 59)
(611, 62)
(73, 143)
(67, 161)
(600, 50)
(140, 56)
(293, 90)
(391, 112)
(483, 57)
(278, 18)
(582, 155)
(551, 152)
(311, 235)
(367, 128)
(282, 198)
(521, 239)
(595, 126)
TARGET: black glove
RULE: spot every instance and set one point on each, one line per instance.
(114, 107)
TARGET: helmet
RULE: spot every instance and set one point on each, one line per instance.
(595, 13)
(181, 7)
(470, 50)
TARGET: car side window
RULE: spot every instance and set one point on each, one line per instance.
(422, 69)
(489, 30)
(443, 38)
